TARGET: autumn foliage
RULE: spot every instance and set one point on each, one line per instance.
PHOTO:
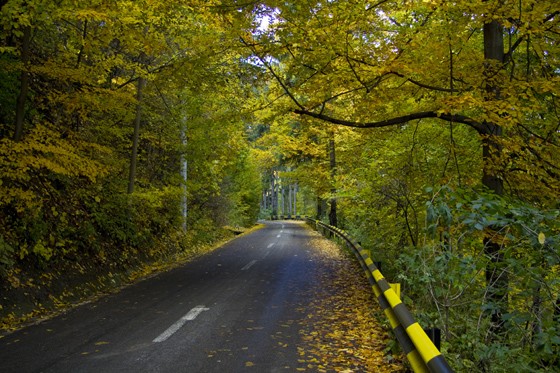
(444, 119)
(428, 129)
(89, 89)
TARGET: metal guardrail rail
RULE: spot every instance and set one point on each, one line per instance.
(419, 349)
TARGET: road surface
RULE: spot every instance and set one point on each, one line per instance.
(237, 309)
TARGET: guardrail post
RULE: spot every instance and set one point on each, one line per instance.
(435, 335)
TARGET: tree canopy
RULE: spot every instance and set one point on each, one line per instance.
(453, 147)
(427, 128)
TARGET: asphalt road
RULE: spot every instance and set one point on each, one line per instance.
(237, 309)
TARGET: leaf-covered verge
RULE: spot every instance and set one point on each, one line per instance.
(344, 330)
(32, 295)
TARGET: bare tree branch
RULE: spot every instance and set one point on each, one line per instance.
(422, 85)
(509, 53)
(269, 67)
(375, 5)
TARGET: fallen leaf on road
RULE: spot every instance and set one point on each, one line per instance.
(340, 332)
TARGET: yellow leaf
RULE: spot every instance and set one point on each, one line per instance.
(542, 238)
(249, 364)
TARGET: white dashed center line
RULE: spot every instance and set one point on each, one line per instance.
(249, 265)
(191, 315)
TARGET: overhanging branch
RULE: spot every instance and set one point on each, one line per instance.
(479, 127)
(271, 70)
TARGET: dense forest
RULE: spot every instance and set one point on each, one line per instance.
(123, 141)
(135, 130)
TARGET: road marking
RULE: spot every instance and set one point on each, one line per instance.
(191, 315)
(249, 265)
(278, 236)
(270, 245)
(282, 226)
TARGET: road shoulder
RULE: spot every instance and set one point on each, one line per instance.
(341, 332)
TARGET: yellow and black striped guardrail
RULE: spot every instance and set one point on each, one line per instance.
(419, 349)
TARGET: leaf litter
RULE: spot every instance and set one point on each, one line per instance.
(340, 332)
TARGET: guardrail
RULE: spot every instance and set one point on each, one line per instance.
(419, 349)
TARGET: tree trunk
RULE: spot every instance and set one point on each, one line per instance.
(24, 83)
(537, 314)
(284, 199)
(321, 208)
(496, 275)
(290, 197)
(184, 175)
(274, 196)
(332, 163)
(295, 198)
(134, 156)
(282, 202)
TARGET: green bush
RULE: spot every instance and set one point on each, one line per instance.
(446, 283)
